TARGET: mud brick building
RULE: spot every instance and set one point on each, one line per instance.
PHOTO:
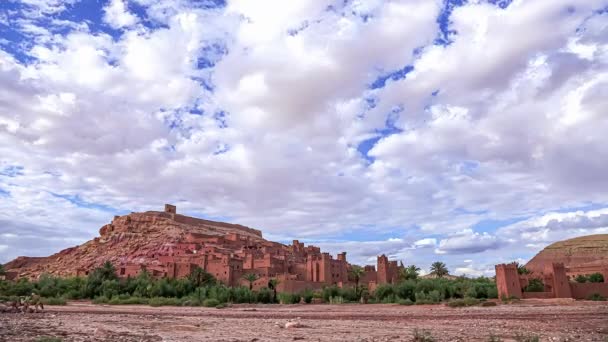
(229, 252)
(558, 282)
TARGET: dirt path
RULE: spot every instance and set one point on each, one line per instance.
(552, 320)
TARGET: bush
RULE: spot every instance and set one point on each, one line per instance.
(101, 300)
(406, 290)
(288, 298)
(265, 296)
(164, 301)
(486, 304)
(330, 291)
(456, 303)
(336, 300)
(422, 336)
(54, 301)
(519, 337)
(405, 302)
(535, 285)
(211, 302)
(596, 278)
(48, 339)
(307, 295)
(580, 278)
(431, 298)
(596, 297)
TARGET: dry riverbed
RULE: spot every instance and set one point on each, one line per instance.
(551, 320)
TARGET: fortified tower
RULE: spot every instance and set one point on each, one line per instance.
(507, 281)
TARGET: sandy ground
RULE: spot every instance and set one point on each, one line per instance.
(552, 320)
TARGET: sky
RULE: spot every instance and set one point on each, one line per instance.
(468, 132)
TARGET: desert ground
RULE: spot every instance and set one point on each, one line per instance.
(551, 320)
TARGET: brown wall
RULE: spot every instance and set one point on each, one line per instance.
(584, 290)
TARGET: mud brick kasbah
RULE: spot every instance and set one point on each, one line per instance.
(556, 279)
(168, 244)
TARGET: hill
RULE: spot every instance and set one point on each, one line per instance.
(136, 238)
(590, 250)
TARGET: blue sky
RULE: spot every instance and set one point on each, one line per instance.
(470, 132)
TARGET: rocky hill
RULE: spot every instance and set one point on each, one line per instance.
(134, 238)
(591, 250)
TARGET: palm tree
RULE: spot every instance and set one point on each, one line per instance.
(356, 273)
(272, 284)
(409, 273)
(439, 269)
(250, 277)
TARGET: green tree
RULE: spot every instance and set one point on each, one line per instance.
(439, 269)
(199, 277)
(409, 273)
(272, 284)
(580, 278)
(2, 271)
(250, 277)
(521, 269)
(535, 285)
(356, 273)
(98, 276)
(596, 278)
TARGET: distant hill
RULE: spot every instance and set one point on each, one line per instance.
(581, 251)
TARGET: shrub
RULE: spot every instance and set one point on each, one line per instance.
(535, 285)
(485, 304)
(48, 339)
(211, 302)
(431, 298)
(54, 301)
(580, 278)
(390, 299)
(596, 278)
(406, 290)
(596, 297)
(164, 301)
(288, 298)
(307, 295)
(405, 302)
(330, 291)
(101, 300)
(471, 301)
(422, 336)
(456, 303)
(265, 296)
(336, 300)
(383, 291)
(519, 337)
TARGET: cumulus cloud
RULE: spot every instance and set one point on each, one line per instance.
(467, 242)
(118, 16)
(317, 120)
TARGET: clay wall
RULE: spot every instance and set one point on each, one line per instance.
(507, 281)
(584, 290)
(295, 286)
(561, 285)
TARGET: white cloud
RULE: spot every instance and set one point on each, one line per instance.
(117, 15)
(515, 130)
(468, 242)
